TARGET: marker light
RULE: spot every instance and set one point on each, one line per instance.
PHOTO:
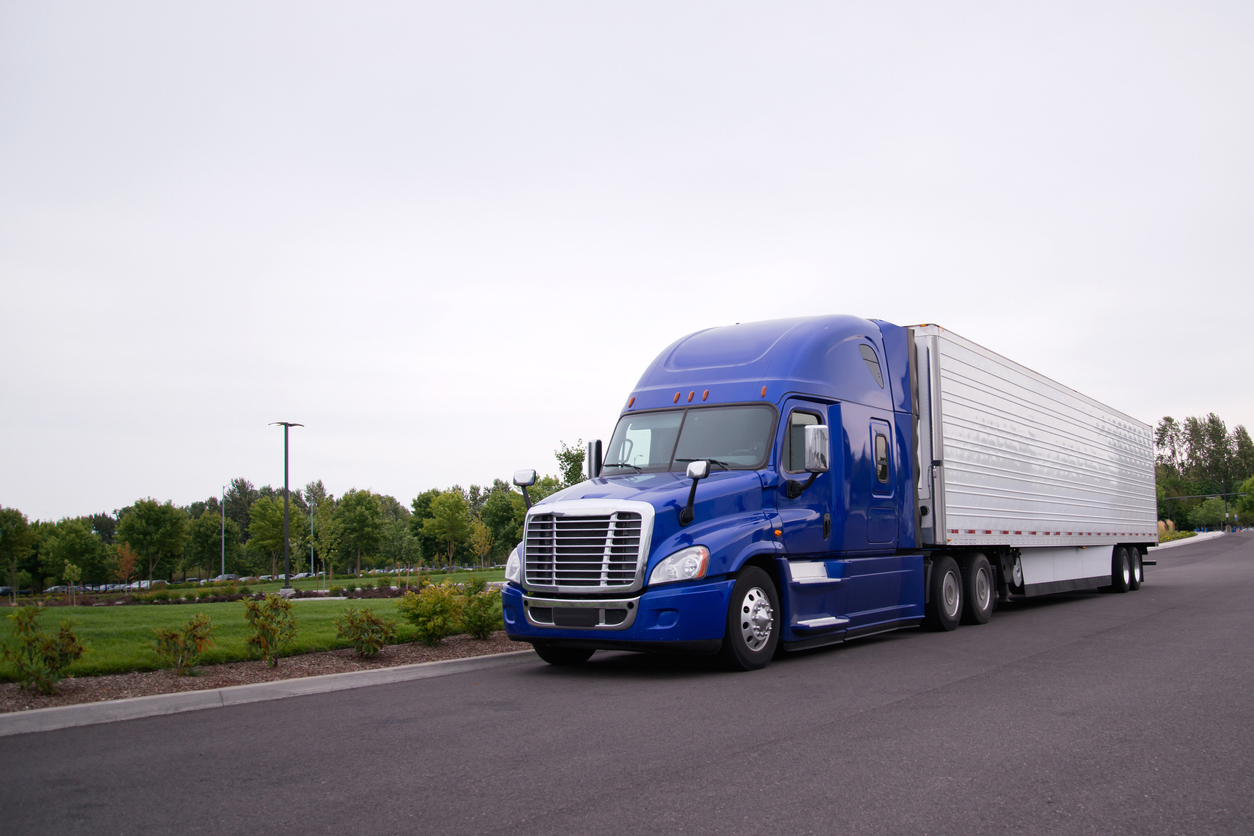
(705, 394)
(686, 565)
(676, 398)
(764, 391)
(630, 401)
(690, 394)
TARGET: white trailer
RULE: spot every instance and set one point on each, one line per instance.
(1055, 484)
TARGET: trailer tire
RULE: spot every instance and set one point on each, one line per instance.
(944, 607)
(563, 657)
(1138, 569)
(1120, 570)
(978, 589)
(753, 619)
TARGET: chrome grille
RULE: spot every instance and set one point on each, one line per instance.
(583, 552)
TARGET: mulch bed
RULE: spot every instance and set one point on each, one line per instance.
(142, 684)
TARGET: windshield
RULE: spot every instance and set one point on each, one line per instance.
(728, 437)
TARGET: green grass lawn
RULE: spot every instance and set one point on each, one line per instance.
(119, 638)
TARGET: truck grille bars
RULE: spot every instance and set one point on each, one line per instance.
(586, 553)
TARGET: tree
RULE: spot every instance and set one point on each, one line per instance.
(328, 534)
(72, 541)
(1169, 446)
(240, 497)
(570, 463)
(428, 543)
(397, 546)
(480, 539)
(450, 520)
(359, 521)
(73, 576)
(157, 531)
(503, 513)
(1210, 514)
(205, 545)
(1245, 504)
(265, 529)
(105, 526)
(15, 545)
(124, 562)
(1243, 454)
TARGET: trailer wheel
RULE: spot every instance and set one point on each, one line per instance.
(752, 629)
(944, 607)
(1120, 570)
(977, 589)
(1138, 569)
(563, 656)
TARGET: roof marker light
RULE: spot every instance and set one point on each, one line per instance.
(763, 392)
(690, 394)
(630, 401)
(676, 398)
(705, 394)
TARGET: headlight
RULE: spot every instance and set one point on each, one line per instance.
(686, 565)
(513, 566)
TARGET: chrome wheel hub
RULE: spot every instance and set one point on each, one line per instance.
(951, 595)
(983, 590)
(757, 619)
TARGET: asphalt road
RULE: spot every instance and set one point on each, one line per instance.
(1079, 713)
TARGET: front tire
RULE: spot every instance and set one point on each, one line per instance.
(563, 657)
(753, 616)
(944, 607)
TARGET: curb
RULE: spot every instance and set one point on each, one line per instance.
(1209, 535)
(109, 711)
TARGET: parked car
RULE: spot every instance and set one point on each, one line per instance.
(56, 590)
(221, 578)
(302, 575)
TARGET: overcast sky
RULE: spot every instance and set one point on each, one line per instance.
(446, 237)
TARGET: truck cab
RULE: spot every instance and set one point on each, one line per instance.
(759, 490)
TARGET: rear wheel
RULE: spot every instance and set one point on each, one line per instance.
(563, 656)
(752, 629)
(1120, 570)
(1138, 570)
(977, 589)
(944, 607)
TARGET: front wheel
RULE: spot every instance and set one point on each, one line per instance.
(563, 656)
(752, 629)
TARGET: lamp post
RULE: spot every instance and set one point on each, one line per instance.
(222, 504)
(312, 506)
(287, 560)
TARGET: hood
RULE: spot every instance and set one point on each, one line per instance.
(661, 490)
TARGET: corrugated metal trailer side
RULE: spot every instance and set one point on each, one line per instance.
(1011, 458)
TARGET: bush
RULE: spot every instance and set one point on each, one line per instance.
(365, 630)
(434, 612)
(383, 583)
(337, 591)
(243, 590)
(481, 615)
(41, 658)
(159, 595)
(181, 647)
(273, 627)
(474, 586)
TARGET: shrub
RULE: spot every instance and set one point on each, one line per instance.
(182, 646)
(337, 591)
(383, 583)
(474, 586)
(41, 658)
(481, 615)
(159, 595)
(434, 611)
(365, 630)
(273, 627)
(243, 590)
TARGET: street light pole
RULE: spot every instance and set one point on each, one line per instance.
(223, 506)
(312, 506)
(287, 560)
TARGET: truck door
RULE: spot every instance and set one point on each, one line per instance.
(807, 519)
(878, 577)
(881, 523)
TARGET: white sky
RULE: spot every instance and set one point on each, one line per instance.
(447, 236)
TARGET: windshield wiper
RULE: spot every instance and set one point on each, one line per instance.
(721, 464)
(623, 464)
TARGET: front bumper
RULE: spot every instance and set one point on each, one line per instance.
(689, 616)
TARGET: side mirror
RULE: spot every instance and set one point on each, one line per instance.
(523, 478)
(697, 471)
(592, 459)
(817, 447)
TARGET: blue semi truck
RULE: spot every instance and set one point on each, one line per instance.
(795, 483)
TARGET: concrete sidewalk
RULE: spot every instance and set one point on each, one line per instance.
(86, 714)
